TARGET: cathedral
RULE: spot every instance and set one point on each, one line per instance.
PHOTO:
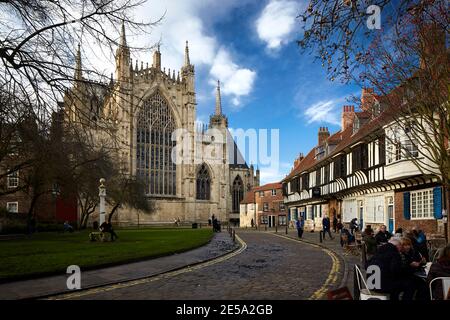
(191, 172)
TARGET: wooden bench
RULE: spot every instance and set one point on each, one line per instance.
(100, 236)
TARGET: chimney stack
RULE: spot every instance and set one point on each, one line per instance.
(367, 99)
(298, 160)
(348, 115)
(323, 135)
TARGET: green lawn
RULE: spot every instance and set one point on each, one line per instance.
(52, 252)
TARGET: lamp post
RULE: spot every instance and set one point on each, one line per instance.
(102, 195)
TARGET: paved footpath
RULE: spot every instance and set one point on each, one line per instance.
(270, 267)
(219, 245)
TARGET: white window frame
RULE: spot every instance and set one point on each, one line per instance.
(274, 192)
(13, 176)
(265, 206)
(417, 203)
(264, 219)
(14, 203)
(375, 209)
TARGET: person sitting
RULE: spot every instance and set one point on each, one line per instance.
(421, 242)
(412, 262)
(383, 236)
(370, 242)
(389, 260)
(440, 268)
(398, 233)
(106, 227)
(346, 237)
(67, 227)
(354, 225)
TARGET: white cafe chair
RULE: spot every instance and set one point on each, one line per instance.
(365, 293)
(445, 287)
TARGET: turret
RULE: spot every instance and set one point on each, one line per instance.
(218, 119)
(122, 57)
(187, 71)
(78, 76)
(257, 178)
(218, 100)
(157, 59)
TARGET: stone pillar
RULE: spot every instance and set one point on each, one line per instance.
(102, 195)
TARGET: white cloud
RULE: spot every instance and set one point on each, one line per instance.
(187, 20)
(277, 23)
(274, 173)
(324, 111)
(236, 81)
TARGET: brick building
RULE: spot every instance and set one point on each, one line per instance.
(358, 172)
(265, 206)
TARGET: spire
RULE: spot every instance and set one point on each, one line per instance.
(157, 58)
(187, 61)
(218, 100)
(78, 71)
(123, 40)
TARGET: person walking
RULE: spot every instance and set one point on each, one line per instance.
(326, 227)
(300, 224)
(335, 223)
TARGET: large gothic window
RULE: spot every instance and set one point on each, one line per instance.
(203, 183)
(155, 124)
(237, 193)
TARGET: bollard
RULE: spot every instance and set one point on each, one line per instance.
(276, 228)
(234, 235)
(320, 236)
(286, 228)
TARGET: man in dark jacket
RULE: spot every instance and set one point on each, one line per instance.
(389, 261)
(383, 235)
(326, 227)
(335, 223)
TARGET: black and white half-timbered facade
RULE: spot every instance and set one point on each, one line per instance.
(363, 172)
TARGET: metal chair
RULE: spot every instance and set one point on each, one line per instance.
(445, 287)
(364, 292)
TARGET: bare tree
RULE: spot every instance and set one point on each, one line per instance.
(39, 41)
(406, 62)
(128, 191)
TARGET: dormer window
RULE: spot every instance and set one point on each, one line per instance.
(356, 125)
(320, 152)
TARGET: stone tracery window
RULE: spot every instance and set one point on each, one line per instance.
(154, 165)
(237, 193)
(203, 183)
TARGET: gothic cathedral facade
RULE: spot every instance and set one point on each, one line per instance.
(191, 172)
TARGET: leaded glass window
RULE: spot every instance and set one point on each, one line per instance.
(203, 183)
(155, 124)
(237, 193)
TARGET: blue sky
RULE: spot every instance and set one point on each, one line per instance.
(249, 45)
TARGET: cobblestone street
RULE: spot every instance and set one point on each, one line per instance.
(270, 268)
